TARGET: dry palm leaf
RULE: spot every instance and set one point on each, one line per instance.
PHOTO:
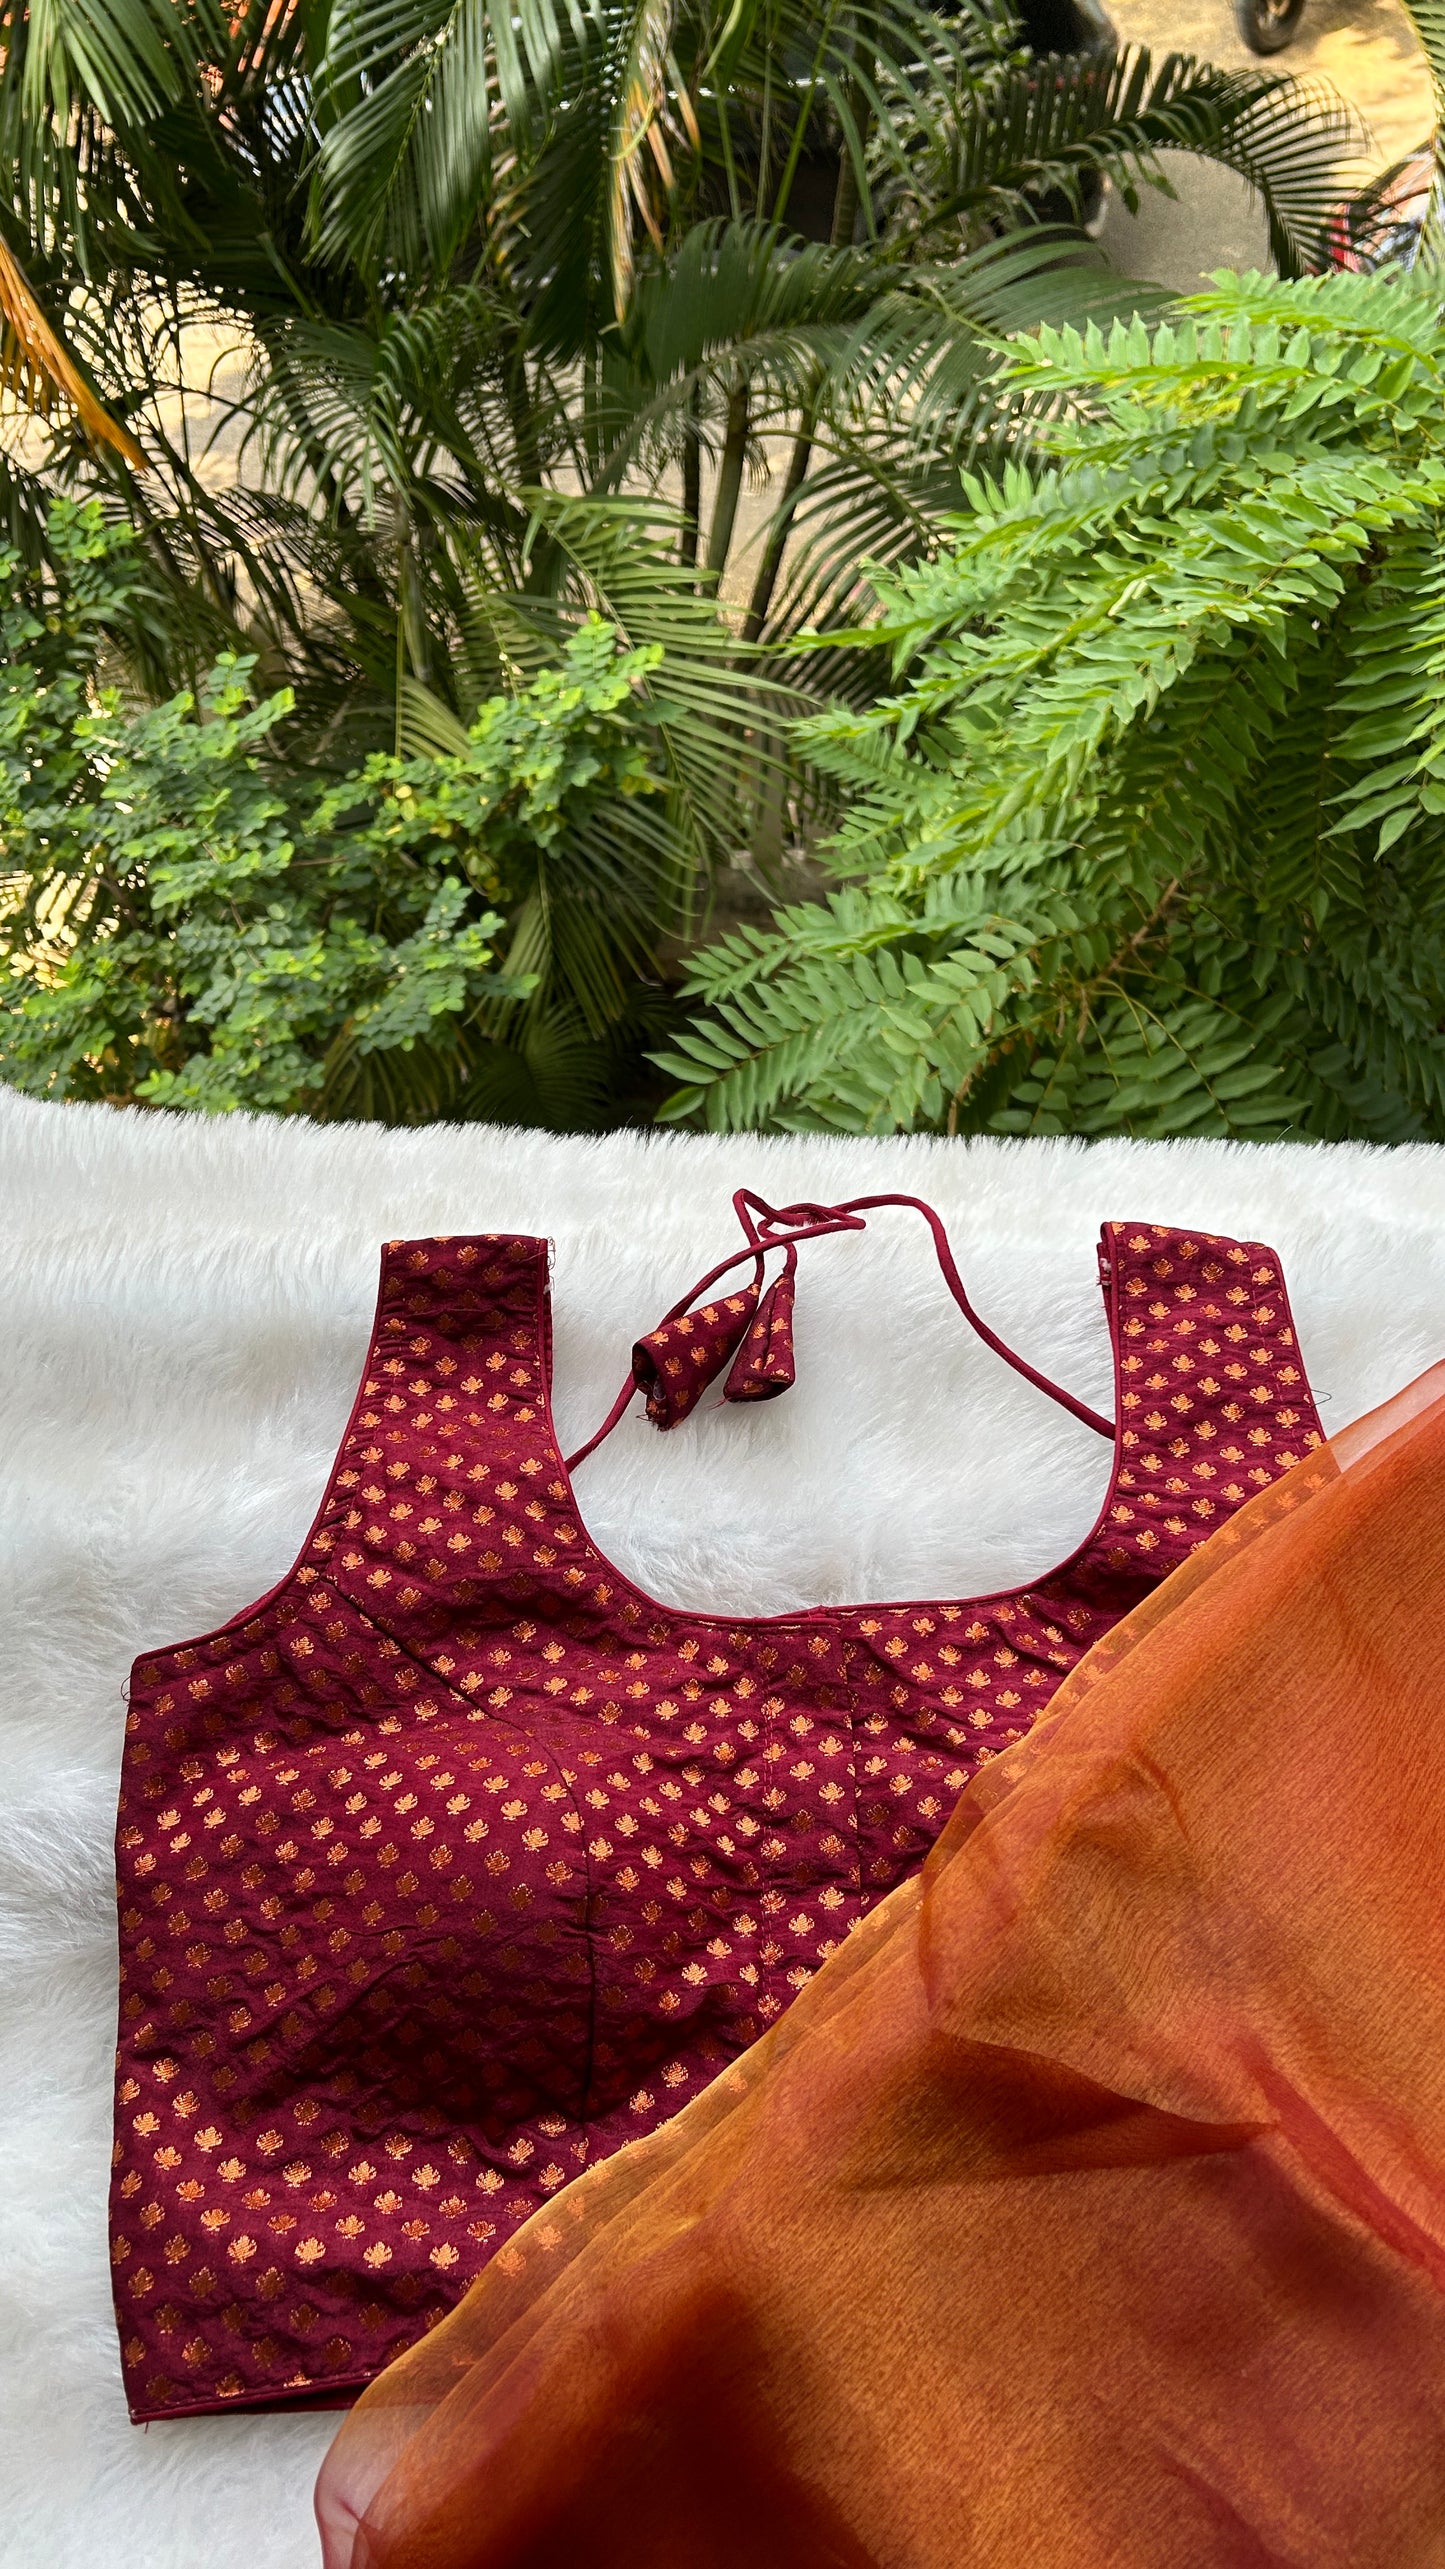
(36, 369)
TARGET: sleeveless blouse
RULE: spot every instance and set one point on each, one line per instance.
(458, 1861)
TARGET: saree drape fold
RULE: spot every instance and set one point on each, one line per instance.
(1087, 2210)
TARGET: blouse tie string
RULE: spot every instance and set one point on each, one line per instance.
(750, 1328)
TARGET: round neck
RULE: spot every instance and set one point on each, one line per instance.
(847, 1613)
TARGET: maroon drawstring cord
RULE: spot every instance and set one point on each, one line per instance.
(782, 1227)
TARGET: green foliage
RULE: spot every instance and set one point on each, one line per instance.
(518, 303)
(188, 921)
(1150, 836)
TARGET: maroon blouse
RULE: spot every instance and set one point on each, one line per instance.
(458, 1861)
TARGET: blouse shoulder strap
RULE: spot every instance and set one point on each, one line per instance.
(1214, 1399)
(480, 1291)
(451, 1415)
(454, 1399)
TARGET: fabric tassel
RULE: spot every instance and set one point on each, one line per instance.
(763, 1365)
(673, 1365)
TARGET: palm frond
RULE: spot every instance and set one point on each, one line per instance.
(1032, 133)
(123, 59)
(719, 717)
(38, 371)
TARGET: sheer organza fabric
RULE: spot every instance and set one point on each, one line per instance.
(1088, 2208)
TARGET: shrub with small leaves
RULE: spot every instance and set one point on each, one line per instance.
(187, 922)
(1151, 836)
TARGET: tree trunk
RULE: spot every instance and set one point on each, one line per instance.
(772, 561)
(840, 232)
(729, 482)
(691, 484)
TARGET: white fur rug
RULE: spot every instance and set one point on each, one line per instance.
(183, 1309)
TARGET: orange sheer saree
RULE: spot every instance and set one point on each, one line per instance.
(1087, 2211)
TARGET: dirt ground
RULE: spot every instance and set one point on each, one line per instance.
(1365, 48)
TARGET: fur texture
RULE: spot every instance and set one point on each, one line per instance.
(185, 1307)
